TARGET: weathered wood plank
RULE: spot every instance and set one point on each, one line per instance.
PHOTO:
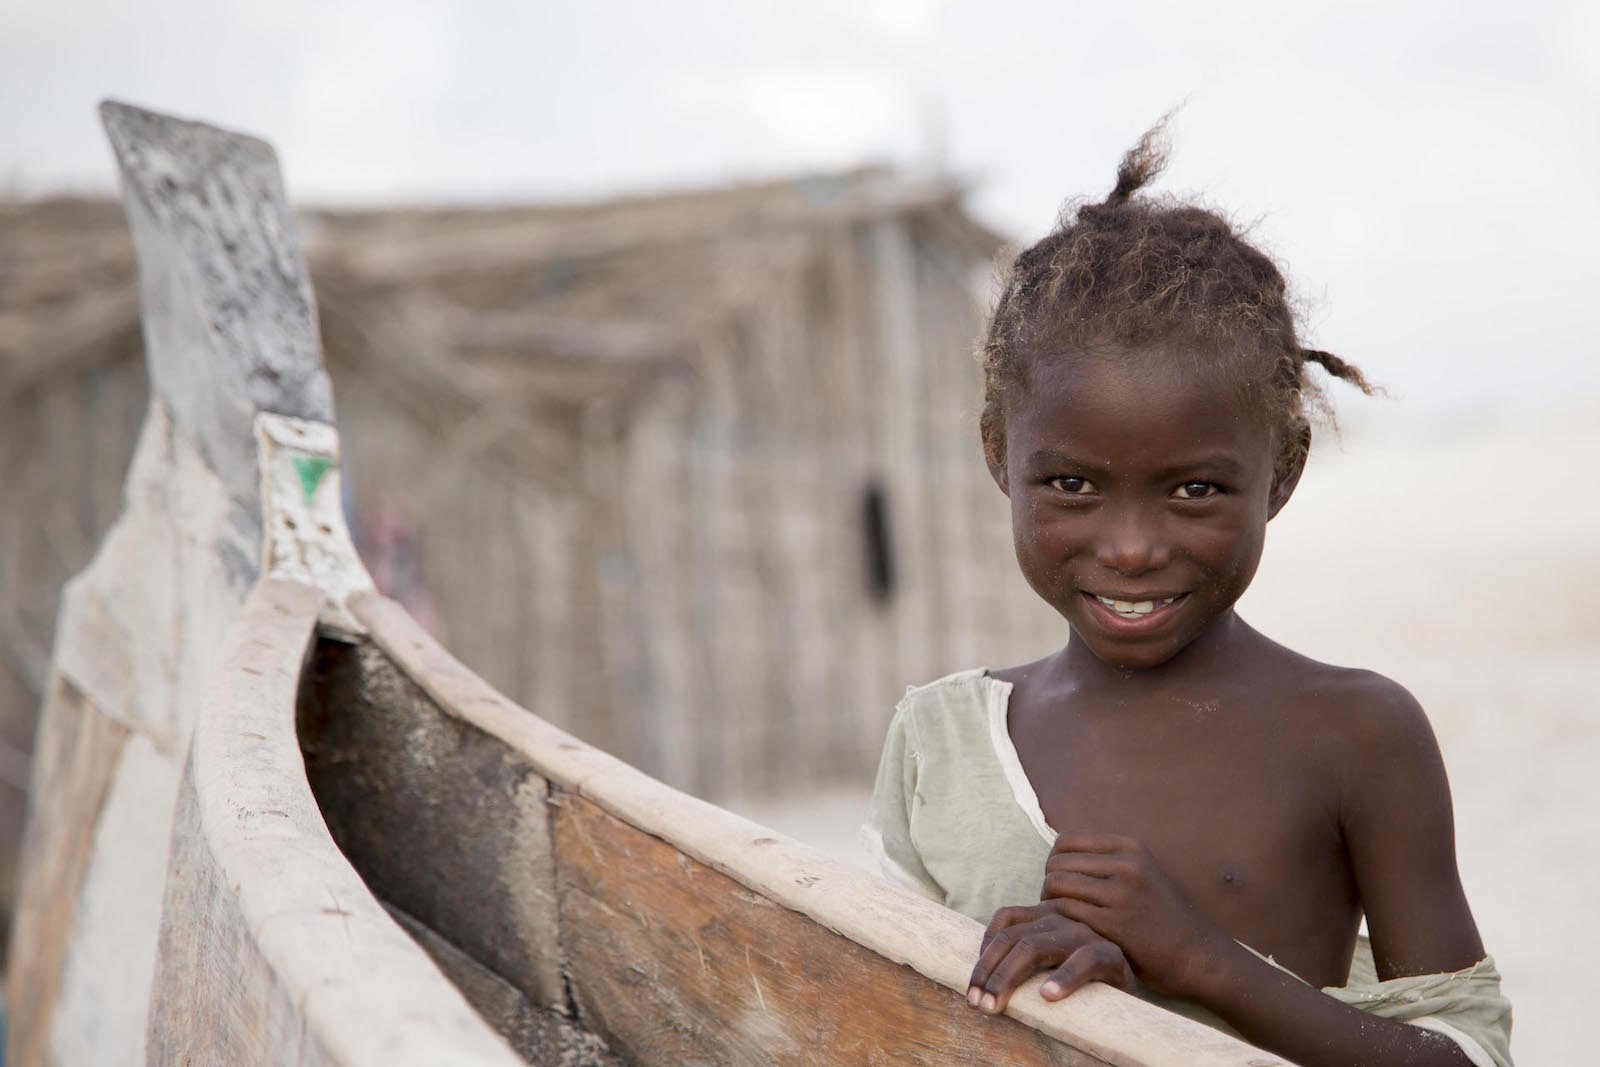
(230, 325)
(74, 761)
(676, 963)
(215, 998)
(443, 821)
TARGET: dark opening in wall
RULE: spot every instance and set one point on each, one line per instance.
(880, 543)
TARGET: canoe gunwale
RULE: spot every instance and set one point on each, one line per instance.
(932, 940)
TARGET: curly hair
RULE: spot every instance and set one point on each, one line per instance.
(1141, 273)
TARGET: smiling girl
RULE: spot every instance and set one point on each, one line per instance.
(1173, 803)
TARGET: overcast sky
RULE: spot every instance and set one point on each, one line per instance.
(1426, 172)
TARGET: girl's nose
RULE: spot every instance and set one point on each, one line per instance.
(1131, 545)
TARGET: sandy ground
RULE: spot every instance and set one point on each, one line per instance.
(1462, 558)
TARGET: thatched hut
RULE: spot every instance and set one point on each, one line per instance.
(694, 475)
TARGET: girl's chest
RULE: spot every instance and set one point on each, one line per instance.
(1237, 820)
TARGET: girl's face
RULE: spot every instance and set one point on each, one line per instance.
(1140, 492)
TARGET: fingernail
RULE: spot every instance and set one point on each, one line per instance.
(974, 995)
(989, 1002)
(1050, 990)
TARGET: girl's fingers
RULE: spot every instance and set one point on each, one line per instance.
(1090, 915)
(995, 949)
(1097, 864)
(1097, 961)
(1028, 954)
(1007, 917)
(1082, 887)
(1093, 841)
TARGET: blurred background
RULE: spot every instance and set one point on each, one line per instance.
(650, 329)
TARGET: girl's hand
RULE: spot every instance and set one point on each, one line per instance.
(1020, 941)
(1114, 886)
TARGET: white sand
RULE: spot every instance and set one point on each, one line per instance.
(1461, 558)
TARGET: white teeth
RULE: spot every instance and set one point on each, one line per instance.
(1132, 609)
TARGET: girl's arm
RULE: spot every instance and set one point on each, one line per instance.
(1400, 835)
(1277, 1011)
(1399, 831)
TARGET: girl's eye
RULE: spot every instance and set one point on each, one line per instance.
(1196, 490)
(1072, 485)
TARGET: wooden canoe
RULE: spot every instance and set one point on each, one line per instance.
(272, 821)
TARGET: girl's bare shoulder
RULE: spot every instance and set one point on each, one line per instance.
(1364, 707)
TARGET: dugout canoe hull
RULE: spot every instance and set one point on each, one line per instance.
(272, 821)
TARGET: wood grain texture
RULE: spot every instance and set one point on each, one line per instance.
(229, 322)
(675, 963)
(138, 636)
(443, 821)
(215, 998)
(74, 763)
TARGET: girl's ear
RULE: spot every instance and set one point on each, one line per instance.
(997, 471)
(1288, 473)
(994, 454)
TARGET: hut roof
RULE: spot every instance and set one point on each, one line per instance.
(554, 304)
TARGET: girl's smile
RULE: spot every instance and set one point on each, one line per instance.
(1131, 614)
(1140, 488)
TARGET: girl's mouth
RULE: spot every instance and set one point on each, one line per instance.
(1132, 616)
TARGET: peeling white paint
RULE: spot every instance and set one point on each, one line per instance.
(305, 538)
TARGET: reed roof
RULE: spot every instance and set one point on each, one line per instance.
(555, 302)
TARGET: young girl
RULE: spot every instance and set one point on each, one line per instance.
(1173, 803)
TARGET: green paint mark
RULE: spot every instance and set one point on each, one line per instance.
(311, 469)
